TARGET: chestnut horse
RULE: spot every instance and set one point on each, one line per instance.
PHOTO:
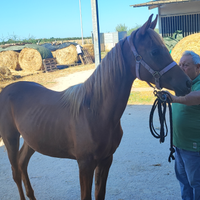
(83, 121)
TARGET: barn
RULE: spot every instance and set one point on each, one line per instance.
(176, 15)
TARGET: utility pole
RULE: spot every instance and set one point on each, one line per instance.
(96, 35)
(81, 21)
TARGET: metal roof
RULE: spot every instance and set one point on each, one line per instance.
(156, 3)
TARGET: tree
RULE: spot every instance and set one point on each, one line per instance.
(133, 29)
(121, 27)
(136, 27)
(156, 30)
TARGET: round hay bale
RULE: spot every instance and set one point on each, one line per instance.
(66, 56)
(30, 59)
(10, 59)
(190, 43)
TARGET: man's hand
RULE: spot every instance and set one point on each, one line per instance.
(171, 97)
(193, 98)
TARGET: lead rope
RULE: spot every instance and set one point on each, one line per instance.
(161, 102)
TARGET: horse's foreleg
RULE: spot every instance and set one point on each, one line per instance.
(101, 175)
(12, 146)
(86, 171)
(25, 154)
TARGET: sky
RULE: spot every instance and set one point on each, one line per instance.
(38, 19)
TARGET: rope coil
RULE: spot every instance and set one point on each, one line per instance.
(161, 102)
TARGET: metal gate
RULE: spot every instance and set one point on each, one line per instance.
(189, 24)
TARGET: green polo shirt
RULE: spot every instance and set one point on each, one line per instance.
(186, 123)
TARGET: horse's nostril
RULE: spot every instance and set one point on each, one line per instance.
(189, 83)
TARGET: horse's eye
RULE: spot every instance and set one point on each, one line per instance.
(155, 52)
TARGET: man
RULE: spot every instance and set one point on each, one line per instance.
(80, 53)
(186, 130)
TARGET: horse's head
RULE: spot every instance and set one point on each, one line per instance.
(154, 63)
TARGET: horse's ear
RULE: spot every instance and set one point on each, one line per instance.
(144, 28)
(153, 24)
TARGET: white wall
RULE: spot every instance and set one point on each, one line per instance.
(108, 40)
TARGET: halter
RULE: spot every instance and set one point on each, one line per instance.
(155, 74)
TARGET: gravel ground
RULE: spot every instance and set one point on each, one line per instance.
(140, 169)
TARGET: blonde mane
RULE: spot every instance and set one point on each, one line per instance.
(94, 90)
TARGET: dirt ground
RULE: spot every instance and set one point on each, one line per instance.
(140, 169)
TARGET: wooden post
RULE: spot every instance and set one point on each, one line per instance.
(80, 56)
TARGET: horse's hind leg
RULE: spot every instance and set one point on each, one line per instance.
(101, 175)
(24, 156)
(12, 146)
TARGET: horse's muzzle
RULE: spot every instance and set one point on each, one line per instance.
(181, 92)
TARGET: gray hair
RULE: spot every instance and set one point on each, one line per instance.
(195, 57)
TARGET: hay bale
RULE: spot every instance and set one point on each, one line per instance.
(5, 71)
(30, 59)
(90, 49)
(10, 59)
(5, 74)
(191, 43)
(66, 56)
(54, 54)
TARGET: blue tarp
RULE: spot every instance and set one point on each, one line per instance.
(52, 47)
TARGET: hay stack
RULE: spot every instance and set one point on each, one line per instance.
(191, 43)
(10, 59)
(5, 74)
(89, 48)
(30, 59)
(5, 71)
(66, 56)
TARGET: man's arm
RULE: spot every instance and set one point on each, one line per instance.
(193, 98)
